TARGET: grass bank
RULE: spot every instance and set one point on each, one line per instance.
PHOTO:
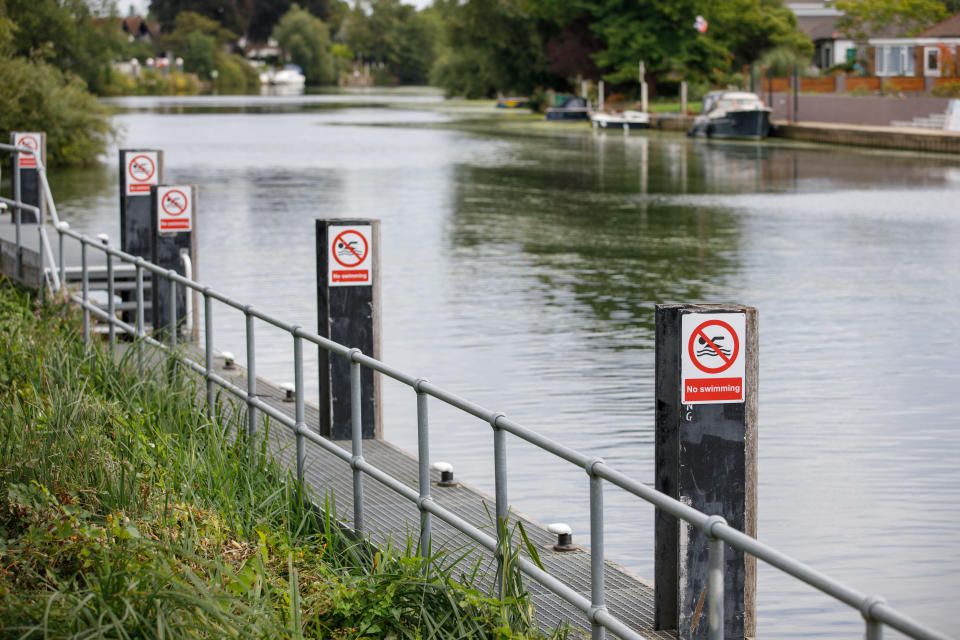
(126, 513)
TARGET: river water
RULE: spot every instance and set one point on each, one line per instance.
(521, 269)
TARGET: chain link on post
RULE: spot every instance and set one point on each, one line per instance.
(86, 292)
(423, 462)
(111, 304)
(301, 425)
(597, 575)
(208, 347)
(251, 382)
(356, 424)
(500, 486)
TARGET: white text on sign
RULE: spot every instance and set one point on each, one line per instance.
(349, 258)
(712, 358)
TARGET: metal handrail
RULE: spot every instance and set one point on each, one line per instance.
(45, 248)
(874, 610)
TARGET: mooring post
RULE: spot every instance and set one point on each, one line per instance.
(348, 312)
(173, 228)
(706, 457)
(140, 169)
(25, 174)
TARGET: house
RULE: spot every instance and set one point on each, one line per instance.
(819, 22)
(929, 58)
(137, 28)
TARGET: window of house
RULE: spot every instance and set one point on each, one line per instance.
(931, 61)
(895, 60)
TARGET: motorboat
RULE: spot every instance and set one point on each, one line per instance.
(626, 120)
(289, 76)
(732, 114)
(573, 108)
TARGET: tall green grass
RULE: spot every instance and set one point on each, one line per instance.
(126, 513)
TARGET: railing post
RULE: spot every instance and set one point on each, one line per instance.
(44, 280)
(874, 628)
(172, 316)
(715, 588)
(251, 380)
(423, 463)
(597, 576)
(208, 344)
(356, 420)
(500, 490)
(86, 291)
(301, 425)
(63, 269)
(111, 305)
(140, 326)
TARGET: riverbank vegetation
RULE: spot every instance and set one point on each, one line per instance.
(125, 512)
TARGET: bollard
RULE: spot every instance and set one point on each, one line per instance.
(706, 457)
(348, 312)
(140, 169)
(172, 229)
(25, 173)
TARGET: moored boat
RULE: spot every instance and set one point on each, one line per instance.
(732, 114)
(626, 120)
(573, 108)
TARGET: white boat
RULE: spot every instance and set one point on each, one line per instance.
(732, 114)
(629, 119)
(289, 76)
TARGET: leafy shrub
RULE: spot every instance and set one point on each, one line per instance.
(39, 97)
(949, 89)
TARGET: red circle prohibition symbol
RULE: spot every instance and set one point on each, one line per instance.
(29, 142)
(173, 206)
(728, 360)
(351, 251)
(141, 168)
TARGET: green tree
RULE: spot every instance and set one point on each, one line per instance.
(198, 54)
(490, 46)
(233, 15)
(661, 33)
(862, 18)
(746, 29)
(393, 33)
(190, 22)
(266, 14)
(39, 97)
(306, 40)
(64, 34)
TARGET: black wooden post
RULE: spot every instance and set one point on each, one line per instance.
(706, 456)
(173, 229)
(348, 312)
(140, 169)
(25, 174)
